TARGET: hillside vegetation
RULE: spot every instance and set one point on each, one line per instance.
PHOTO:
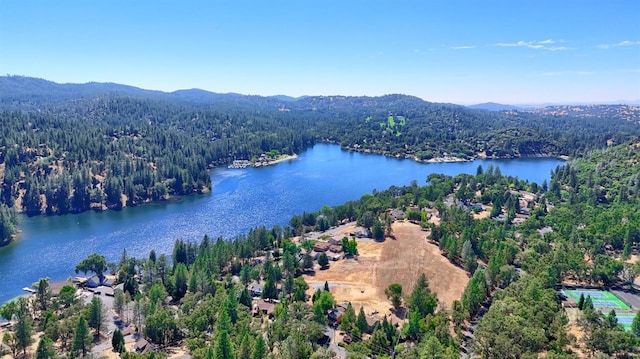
(70, 148)
(580, 229)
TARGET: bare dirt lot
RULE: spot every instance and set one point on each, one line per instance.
(362, 281)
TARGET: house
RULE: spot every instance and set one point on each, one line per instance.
(128, 330)
(56, 287)
(142, 346)
(263, 307)
(396, 214)
(334, 316)
(335, 241)
(255, 288)
(361, 232)
(335, 248)
(255, 261)
(372, 322)
(95, 282)
(321, 246)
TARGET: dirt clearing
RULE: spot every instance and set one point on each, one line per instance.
(362, 281)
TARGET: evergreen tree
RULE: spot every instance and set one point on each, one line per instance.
(96, 315)
(259, 350)
(43, 294)
(117, 341)
(45, 349)
(348, 319)
(23, 329)
(581, 301)
(181, 280)
(319, 315)
(244, 349)
(421, 299)
(588, 303)
(635, 325)
(82, 339)
(361, 322)
(394, 293)
(223, 349)
(323, 260)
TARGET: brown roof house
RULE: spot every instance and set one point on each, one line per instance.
(321, 246)
(262, 307)
(142, 346)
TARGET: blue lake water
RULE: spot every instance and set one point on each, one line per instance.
(240, 200)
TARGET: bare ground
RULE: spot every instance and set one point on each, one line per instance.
(362, 281)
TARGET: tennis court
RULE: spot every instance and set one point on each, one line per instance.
(625, 319)
(600, 298)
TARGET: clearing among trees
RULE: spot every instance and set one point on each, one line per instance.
(362, 281)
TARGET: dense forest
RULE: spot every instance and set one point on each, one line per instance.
(581, 228)
(70, 148)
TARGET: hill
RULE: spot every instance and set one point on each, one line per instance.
(629, 113)
(73, 147)
(492, 106)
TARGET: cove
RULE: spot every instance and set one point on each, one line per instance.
(240, 200)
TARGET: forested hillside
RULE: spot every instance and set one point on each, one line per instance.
(580, 229)
(69, 147)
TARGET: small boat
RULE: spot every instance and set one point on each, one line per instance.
(30, 290)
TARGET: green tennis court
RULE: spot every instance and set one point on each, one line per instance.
(625, 319)
(600, 298)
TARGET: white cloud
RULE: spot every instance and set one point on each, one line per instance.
(628, 43)
(536, 45)
(463, 47)
(620, 44)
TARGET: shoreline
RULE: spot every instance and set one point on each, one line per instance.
(282, 158)
(448, 159)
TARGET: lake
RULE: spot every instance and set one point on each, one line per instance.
(240, 200)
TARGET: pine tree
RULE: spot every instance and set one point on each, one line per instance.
(348, 319)
(82, 339)
(581, 301)
(361, 322)
(319, 315)
(223, 348)
(421, 299)
(96, 314)
(323, 260)
(244, 350)
(117, 341)
(259, 350)
(588, 303)
(181, 281)
(635, 325)
(45, 349)
(23, 329)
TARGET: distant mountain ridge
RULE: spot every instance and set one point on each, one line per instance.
(492, 106)
(23, 88)
(626, 112)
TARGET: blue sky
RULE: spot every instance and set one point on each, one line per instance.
(465, 52)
